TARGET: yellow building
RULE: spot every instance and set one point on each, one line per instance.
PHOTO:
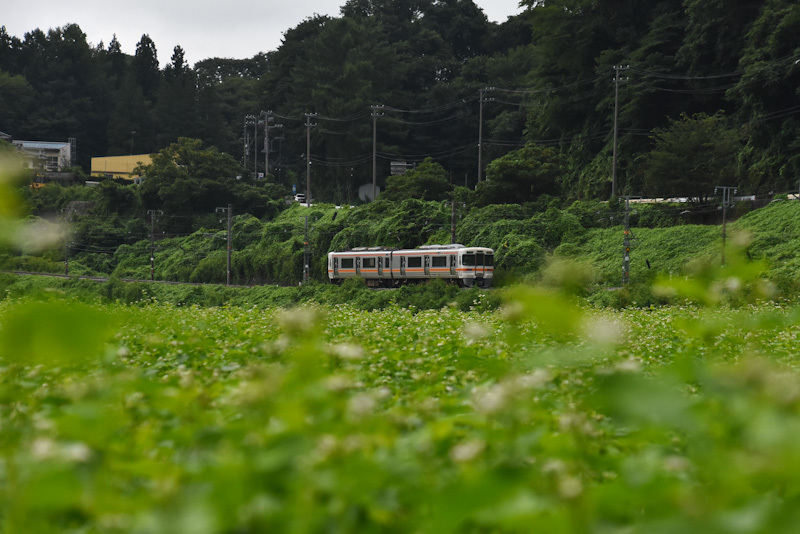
(119, 166)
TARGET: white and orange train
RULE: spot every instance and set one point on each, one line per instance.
(382, 267)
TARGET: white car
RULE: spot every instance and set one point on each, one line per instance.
(300, 197)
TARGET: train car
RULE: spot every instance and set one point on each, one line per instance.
(382, 267)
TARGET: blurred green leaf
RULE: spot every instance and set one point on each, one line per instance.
(54, 333)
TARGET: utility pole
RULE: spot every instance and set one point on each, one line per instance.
(306, 252)
(267, 126)
(153, 214)
(617, 80)
(375, 116)
(132, 134)
(248, 120)
(244, 149)
(229, 210)
(480, 129)
(255, 147)
(308, 156)
(453, 222)
(726, 203)
(627, 243)
(66, 240)
(267, 117)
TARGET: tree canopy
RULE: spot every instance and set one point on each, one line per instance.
(422, 78)
(427, 181)
(691, 157)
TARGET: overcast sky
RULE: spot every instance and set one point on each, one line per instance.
(203, 28)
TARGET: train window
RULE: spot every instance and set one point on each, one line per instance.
(479, 258)
(368, 263)
(468, 260)
(489, 260)
(439, 261)
(347, 263)
(414, 261)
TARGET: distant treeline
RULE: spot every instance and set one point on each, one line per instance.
(422, 72)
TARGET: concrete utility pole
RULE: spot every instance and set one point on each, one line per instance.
(617, 80)
(255, 147)
(229, 210)
(480, 129)
(627, 243)
(453, 222)
(66, 213)
(153, 214)
(267, 126)
(267, 118)
(727, 191)
(308, 156)
(244, 149)
(375, 116)
(306, 252)
(248, 120)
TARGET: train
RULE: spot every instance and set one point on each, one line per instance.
(384, 267)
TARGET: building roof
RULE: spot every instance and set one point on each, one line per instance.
(42, 145)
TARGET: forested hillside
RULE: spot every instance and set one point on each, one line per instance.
(707, 94)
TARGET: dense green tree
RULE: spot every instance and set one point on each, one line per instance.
(187, 179)
(522, 176)
(462, 25)
(716, 34)
(692, 156)
(16, 98)
(350, 68)
(226, 91)
(145, 67)
(427, 181)
(71, 98)
(767, 96)
(282, 93)
(117, 199)
(176, 109)
(187, 159)
(130, 125)
(9, 51)
(426, 60)
(116, 62)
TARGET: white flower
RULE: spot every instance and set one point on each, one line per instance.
(361, 405)
(348, 351)
(570, 487)
(467, 451)
(490, 400)
(475, 332)
(76, 452)
(43, 448)
(603, 331)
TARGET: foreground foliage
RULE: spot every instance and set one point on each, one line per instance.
(544, 416)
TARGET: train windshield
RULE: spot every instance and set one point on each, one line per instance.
(478, 259)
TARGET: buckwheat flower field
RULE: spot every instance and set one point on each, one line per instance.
(544, 416)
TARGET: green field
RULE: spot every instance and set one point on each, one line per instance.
(542, 416)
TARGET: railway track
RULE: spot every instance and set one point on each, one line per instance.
(106, 278)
